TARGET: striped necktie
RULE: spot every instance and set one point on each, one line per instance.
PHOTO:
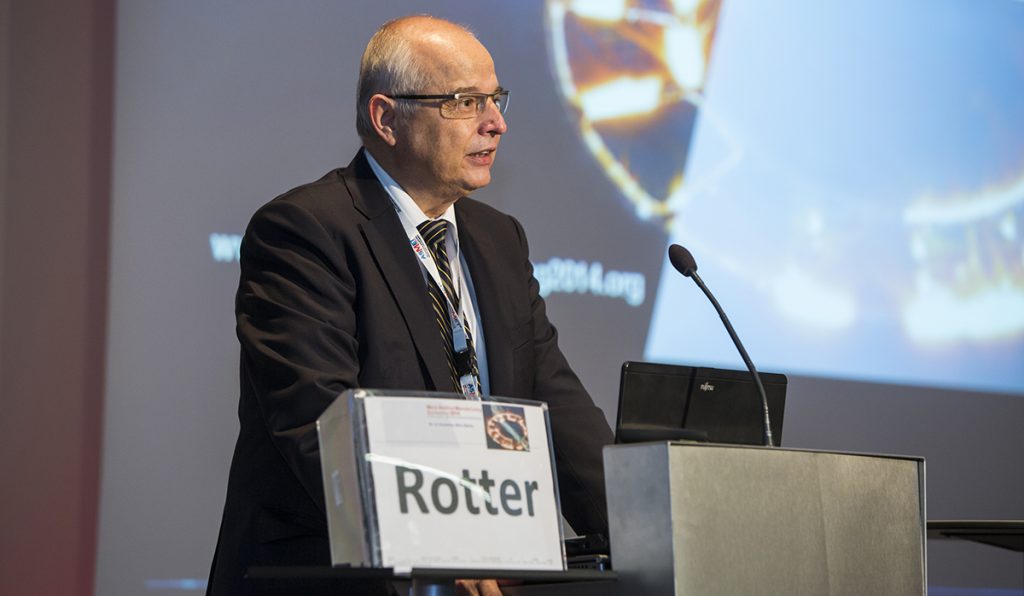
(434, 234)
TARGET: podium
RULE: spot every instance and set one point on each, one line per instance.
(691, 519)
(685, 519)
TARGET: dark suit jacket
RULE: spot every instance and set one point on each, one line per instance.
(331, 297)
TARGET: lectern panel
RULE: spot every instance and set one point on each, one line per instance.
(749, 520)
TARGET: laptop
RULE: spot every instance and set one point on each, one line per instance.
(671, 402)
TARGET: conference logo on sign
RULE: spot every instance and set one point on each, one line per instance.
(505, 428)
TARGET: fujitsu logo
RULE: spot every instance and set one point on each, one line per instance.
(705, 386)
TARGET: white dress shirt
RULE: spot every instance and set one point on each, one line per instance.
(408, 209)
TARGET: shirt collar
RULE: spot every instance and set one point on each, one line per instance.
(403, 202)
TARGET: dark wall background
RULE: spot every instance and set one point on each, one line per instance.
(55, 101)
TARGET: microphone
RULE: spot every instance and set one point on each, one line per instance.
(684, 263)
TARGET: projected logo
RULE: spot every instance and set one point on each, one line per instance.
(634, 71)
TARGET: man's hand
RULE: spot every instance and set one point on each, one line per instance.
(477, 587)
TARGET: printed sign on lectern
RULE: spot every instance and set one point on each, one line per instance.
(417, 480)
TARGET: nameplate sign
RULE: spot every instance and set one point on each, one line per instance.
(452, 483)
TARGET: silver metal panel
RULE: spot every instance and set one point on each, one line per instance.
(749, 520)
(874, 525)
(745, 523)
(638, 517)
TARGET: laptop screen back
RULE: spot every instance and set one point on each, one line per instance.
(723, 404)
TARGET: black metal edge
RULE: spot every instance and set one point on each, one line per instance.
(325, 572)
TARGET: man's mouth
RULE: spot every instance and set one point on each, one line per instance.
(484, 153)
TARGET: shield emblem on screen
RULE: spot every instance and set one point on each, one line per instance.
(632, 73)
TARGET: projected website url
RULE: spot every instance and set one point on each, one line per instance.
(569, 276)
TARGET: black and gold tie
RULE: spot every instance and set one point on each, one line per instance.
(435, 233)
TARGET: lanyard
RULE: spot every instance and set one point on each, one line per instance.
(469, 382)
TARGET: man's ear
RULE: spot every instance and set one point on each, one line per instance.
(383, 115)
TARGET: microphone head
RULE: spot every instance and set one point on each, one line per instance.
(682, 260)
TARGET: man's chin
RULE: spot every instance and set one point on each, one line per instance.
(475, 183)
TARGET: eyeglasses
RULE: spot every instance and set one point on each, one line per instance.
(463, 105)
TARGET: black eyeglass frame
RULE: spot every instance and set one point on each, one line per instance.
(502, 94)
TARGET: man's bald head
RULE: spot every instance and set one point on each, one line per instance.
(402, 58)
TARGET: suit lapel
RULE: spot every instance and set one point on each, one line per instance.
(491, 298)
(389, 246)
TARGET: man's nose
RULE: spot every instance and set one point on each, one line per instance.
(493, 121)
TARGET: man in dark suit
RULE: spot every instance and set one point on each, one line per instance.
(333, 296)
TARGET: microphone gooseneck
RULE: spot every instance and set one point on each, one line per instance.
(684, 263)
